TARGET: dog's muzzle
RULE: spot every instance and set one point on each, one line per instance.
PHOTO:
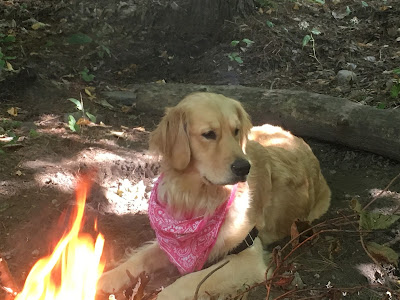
(241, 168)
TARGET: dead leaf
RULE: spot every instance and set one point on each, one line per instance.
(9, 66)
(119, 193)
(334, 248)
(297, 228)
(38, 25)
(161, 81)
(90, 91)
(18, 173)
(296, 6)
(283, 281)
(383, 253)
(126, 109)
(83, 121)
(13, 111)
(105, 103)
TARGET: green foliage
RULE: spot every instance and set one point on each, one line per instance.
(364, 4)
(102, 50)
(78, 104)
(79, 39)
(373, 221)
(235, 56)
(270, 24)
(91, 117)
(381, 105)
(395, 90)
(10, 124)
(72, 124)
(306, 39)
(6, 40)
(383, 253)
(33, 133)
(86, 76)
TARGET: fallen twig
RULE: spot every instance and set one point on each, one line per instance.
(205, 278)
(384, 190)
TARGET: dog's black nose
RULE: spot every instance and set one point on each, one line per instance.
(240, 167)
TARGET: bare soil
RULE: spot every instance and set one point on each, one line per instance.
(37, 173)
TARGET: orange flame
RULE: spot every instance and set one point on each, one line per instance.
(75, 261)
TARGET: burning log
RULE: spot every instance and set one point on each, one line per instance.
(7, 282)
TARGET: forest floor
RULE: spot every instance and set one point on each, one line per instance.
(51, 51)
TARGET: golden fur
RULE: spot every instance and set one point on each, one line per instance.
(200, 140)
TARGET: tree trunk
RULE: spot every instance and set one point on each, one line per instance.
(305, 114)
(209, 14)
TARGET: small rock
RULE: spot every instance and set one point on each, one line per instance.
(370, 58)
(35, 252)
(346, 77)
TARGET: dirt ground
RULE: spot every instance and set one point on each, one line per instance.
(46, 66)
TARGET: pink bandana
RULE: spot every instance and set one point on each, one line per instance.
(187, 242)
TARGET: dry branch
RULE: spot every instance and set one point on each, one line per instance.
(305, 114)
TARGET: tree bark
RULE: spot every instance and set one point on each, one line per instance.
(305, 114)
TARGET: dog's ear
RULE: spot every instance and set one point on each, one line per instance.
(170, 138)
(245, 124)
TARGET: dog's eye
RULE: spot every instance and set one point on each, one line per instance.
(210, 135)
(236, 131)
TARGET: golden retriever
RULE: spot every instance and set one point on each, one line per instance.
(208, 146)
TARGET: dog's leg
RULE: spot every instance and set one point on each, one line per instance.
(243, 269)
(148, 258)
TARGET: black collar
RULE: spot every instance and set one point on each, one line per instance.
(246, 243)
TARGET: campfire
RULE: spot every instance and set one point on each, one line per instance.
(72, 270)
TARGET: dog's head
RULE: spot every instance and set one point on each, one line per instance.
(206, 133)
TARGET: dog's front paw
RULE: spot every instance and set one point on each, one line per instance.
(113, 281)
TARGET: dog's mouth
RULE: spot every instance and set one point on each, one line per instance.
(232, 180)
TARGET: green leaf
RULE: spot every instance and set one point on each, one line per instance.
(364, 4)
(86, 76)
(33, 133)
(79, 39)
(2, 152)
(383, 253)
(248, 42)
(270, 24)
(396, 71)
(9, 39)
(315, 31)
(9, 57)
(355, 205)
(78, 103)
(72, 124)
(306, 39)
(370, 220)
(2, 63)
(381, 105)
(91, 117)
(348, 10)
(395, 90)
(320, 1)
(234, 43)
(238, 59)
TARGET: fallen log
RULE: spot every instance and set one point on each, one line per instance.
(304, 113)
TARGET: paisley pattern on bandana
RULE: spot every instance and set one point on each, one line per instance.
(187, 242)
